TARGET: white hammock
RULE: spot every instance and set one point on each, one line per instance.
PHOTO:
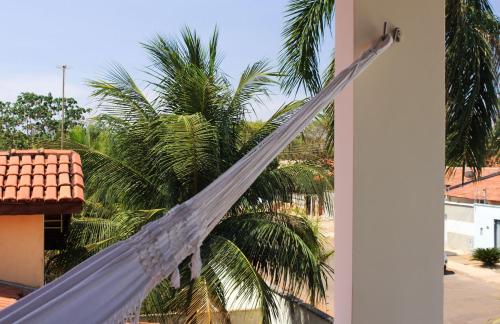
(110, 286)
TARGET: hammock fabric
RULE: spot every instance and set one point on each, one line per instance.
(110, 286)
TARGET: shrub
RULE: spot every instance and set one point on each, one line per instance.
(488, 256)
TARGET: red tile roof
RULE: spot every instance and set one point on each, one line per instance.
(486, 188)
(40, 177)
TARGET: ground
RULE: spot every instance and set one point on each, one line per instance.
(469, 300)
(471, 292)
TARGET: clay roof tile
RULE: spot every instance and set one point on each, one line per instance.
(26, 169)
(63, 168)
(77, 169)
(51, 180)
(64, 179)
(75, 158)
(51, 159)
(9, 194)
(51, 169)
(41, 176)
(64, 193)
(23, 194)
(78, 193)
(25, 181)
(37, 193)
(39, 169)
(63, 158)
(26, 159)
(39, 160)
(50, 194)
(14, 160)
(13, 169)
(11, 180)
(78, 181)
(38, 180)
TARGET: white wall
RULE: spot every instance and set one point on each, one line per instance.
(459, 228)
(485, 216)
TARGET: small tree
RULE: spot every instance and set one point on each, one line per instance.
(488, 256)
(35, 118)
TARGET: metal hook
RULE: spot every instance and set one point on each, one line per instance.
(396, 33)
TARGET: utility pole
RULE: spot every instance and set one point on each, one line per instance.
(63, 67)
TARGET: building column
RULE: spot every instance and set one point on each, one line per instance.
(389, 164)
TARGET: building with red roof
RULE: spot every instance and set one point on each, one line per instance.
(39, 191)
(485, 190)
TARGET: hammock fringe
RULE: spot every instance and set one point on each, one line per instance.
(175, 279)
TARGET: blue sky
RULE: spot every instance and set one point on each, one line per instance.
(88, 36)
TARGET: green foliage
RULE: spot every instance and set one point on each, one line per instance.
(472, 65)
(307, 21)
(488, 256)
(154, 153)
(310, 145)
(33, 119)
(472, 38)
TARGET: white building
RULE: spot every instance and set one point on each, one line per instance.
(471, 226)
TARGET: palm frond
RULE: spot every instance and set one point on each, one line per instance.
(472, 82)
(186, 146)
(301, 267)
(307, 21)
(277, 119)
(254, 83)
(119, 95)
(235, 270)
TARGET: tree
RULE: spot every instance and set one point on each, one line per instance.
(472, 58)
(162, 151)
(33, 119)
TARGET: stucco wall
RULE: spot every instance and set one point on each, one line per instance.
(459, 226)
(21, 249)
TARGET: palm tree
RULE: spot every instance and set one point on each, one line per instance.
(472, 62)
(161, 151)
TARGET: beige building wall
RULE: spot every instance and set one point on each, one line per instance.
(22, 249)
(389, 164)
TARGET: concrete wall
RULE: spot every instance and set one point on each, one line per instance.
(470, 226)
(485, 216)
(21, 249)
(389, 162)
(459, 227)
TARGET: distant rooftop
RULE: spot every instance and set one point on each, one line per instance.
(40, 181)
(487, 188)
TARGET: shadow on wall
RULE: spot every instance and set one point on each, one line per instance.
(299, 312)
